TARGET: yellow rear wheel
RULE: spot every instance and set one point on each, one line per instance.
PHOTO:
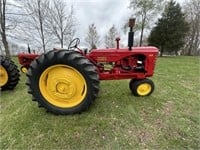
(9, 74)
(63, 86)
(3, 76)
(63, 82)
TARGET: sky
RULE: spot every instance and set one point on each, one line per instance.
(103, 13)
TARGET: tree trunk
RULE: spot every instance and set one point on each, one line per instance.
(142, 28)
(61, 43)
(43, 41)
(41, 26)
(61, 40)
(161, 51)
(141, 35)
(5, 44)
(43, 45)
(176, 53)
(3, 27)
(189, 53)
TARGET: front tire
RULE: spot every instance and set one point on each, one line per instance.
(24, 69)
(144, 87)
(63, 82)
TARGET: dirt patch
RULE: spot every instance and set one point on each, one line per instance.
(168, 108)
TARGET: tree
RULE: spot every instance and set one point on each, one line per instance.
(145, 10)
(37, 10)
(110, 37)
(192, 11)
(60, 22)
(170, 30)
(3, 27)
(8, 22)
(92, 38)
(1, 49)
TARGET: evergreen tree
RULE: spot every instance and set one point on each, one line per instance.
(170, 30)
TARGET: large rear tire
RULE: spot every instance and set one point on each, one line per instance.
(9, 74)
(63, 82)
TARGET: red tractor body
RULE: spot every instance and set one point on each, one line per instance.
(124, 64)
(115, 64)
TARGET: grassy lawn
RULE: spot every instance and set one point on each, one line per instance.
(168, 119)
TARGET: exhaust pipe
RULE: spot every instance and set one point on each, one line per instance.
(131, 33)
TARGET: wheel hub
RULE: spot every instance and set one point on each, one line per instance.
(62, 88)
(24, 69)
(144, 89)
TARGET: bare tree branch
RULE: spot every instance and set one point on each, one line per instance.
(110, 37)
(92, 38)
(61, 23)
(192, 9)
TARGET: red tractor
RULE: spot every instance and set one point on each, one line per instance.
(66, 81)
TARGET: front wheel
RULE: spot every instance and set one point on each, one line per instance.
(24, 69)
(63, 82)
(144, 87)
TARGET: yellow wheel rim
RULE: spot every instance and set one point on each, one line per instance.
(144, 89)
(3, 76)
(63, 86)
(24, 69)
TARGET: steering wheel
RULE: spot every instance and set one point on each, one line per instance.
(74, 43)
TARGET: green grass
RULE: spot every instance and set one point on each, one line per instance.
(168, 119)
